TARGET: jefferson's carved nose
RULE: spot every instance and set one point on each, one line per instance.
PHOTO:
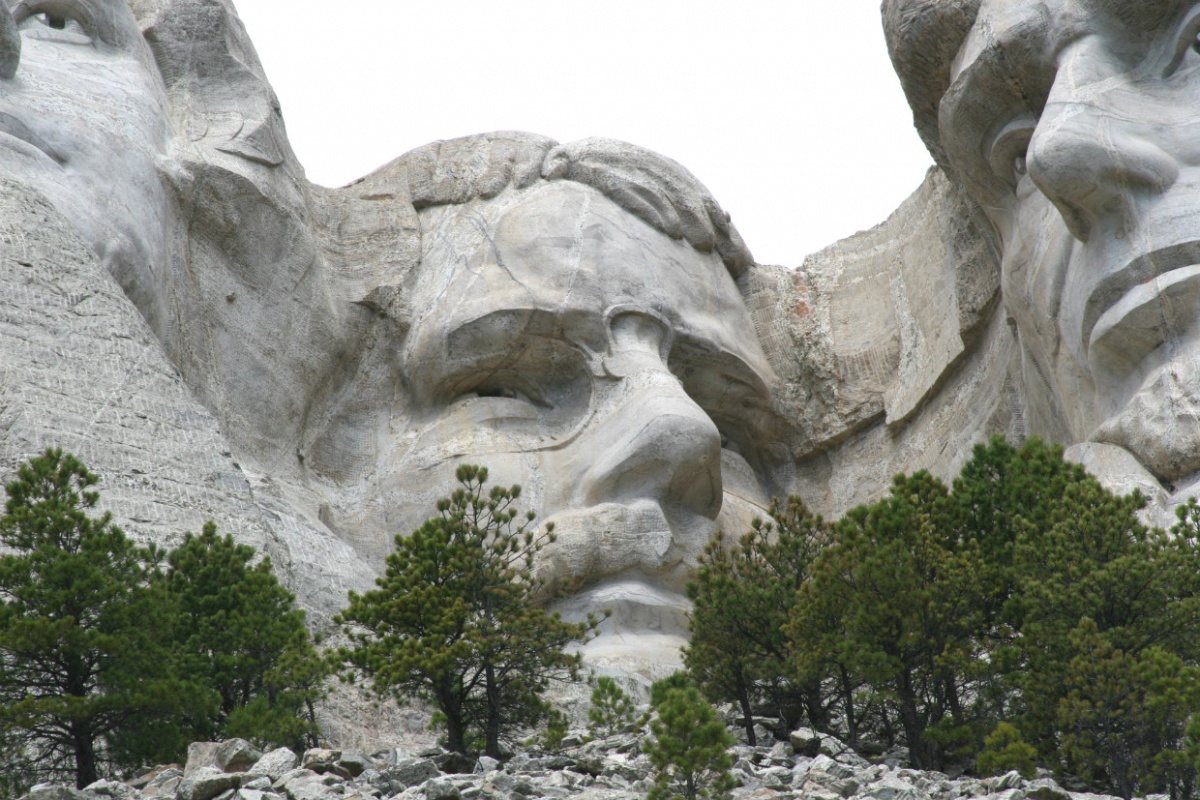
(656, 443)
(1092, 156)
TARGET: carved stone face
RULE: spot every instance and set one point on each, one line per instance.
(83, 120)
(611, 371)
(1076, 124)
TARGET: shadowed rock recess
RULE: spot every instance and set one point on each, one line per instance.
(220, 339)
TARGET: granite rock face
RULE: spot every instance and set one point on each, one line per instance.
(222, 340)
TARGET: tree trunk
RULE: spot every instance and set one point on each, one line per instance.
(848, 701)
(747, 714)
(85, 756)
(910, 720)
(492, 725)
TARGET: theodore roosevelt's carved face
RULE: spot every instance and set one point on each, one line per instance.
(1076, 124)
(610, 370)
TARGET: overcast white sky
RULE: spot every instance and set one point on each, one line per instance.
(787, 110)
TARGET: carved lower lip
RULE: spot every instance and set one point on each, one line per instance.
(1133, 287)
(1148, 314)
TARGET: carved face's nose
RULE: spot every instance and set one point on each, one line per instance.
(1096, 148)
(653, 441)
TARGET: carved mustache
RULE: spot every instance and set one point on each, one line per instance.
(10, 43)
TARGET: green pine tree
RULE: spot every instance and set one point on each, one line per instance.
(242, 638)
(741, 598)
(612, 711)
(905, 597)
(459, 620)
(85, 680)
(689, 751)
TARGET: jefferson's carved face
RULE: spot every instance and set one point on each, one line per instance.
(611, 371)
(84, 120)
(1076, 123)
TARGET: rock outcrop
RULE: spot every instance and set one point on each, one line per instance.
(808, 765)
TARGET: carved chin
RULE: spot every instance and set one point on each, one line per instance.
(1161, 424)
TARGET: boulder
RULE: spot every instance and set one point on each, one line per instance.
(205, 783)
(442, 789)
(275, 763)
(110, 790)
(352, 764)
(304, 784)
(46, 791)
(236, 755)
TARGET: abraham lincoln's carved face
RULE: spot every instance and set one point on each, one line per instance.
(1076, 124)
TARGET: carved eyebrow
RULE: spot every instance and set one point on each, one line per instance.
(1142, 15)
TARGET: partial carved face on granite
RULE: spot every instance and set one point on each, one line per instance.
(83, 119)
(611, 371)
(1076, 124)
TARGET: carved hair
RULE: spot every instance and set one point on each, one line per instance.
(923, 38)
(653, 188)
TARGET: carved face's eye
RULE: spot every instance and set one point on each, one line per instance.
(56, 21)
(57, 25)
(1008, 152)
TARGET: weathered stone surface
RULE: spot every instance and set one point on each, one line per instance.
(110, 790)
(442, 789)
(764, 772)
(205, 783)
(275, 763)
(222, 340)
(304, 784)
(236, 755)
(320, 759)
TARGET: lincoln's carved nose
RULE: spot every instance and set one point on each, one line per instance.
(1094, 153)
(656, 442)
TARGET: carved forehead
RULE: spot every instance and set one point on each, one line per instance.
(932, 40)
(1139, 16)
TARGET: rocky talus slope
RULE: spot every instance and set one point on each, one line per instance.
(810, 766)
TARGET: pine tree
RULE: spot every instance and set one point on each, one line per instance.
(612, 710)
(242, 638)
(85, 682)
(742, 596)
(458, 618)
(689, 752)
(904, 596)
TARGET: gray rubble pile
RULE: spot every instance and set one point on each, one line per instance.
(809, 765)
